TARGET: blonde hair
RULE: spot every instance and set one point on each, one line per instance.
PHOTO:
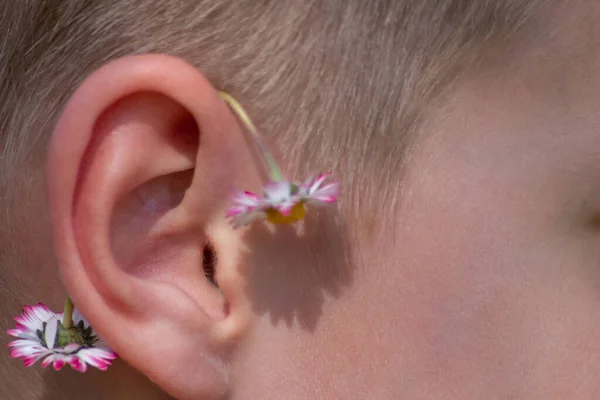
(338, 84)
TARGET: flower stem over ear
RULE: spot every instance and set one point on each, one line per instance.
(274, 171)
(283, 201)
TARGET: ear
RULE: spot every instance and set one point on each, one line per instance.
(141, 165)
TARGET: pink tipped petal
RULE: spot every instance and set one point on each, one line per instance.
(235, 211)
(47, 361)
(251, 195)
(327, 199)
(278, 191)
(232, 212)
(16, 353)
(71, 348)
(103, 353)
(101, 366)
(97, 362)
(318, 182)
(77, 365)
(14, 332)
(100, 359)
(21, 327)
(24, 343)
(326, 194)
(247, 208)
(100, 351)
(315, 193)
(247, 199)
(51, 332)
(110, 355)
(30, 361)
(58, 364)
(20, 352)
(41, 312)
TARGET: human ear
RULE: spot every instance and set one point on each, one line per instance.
(141, 165)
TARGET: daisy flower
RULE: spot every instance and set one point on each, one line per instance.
(283, 202)
(41, 335)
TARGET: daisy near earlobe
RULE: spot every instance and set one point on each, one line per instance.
(282, 201)
(58, 339)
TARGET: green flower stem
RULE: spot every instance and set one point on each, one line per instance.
(68, 313)
(274, 171)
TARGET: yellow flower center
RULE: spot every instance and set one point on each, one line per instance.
(296, 214)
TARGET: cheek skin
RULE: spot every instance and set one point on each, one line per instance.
(492, 266)
(482, 293)
(486, 289)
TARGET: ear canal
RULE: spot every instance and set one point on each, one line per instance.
(209, 263)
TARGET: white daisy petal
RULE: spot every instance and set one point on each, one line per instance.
(26, 344)
(42, 313)
(51, 332)
(72, 348)
(247, 207)
(94, 359)
(32, 318)
(237, 210)
(246, 199)
(246, 218)
(314, 193)
(278, 192)
(101, 352)
(283, 196)
(29, 361)
(318, 182)
(327, 194)
(22, 334)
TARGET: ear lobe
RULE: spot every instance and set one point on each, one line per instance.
(140, 169)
